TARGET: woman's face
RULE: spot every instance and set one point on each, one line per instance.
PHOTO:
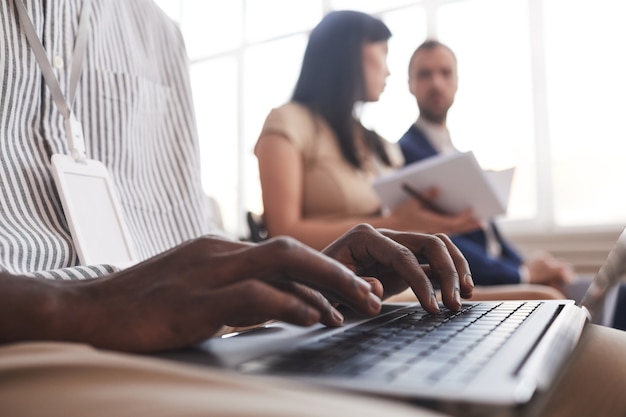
(375, 69)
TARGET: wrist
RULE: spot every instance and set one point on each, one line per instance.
(42, 307)
(73, 312)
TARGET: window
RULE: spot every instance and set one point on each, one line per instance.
(541, 87)
(270, 19)
(586, 97)
(392, 115)
(215, 84)
(270, 73)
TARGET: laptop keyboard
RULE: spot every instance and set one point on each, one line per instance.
(408, 342)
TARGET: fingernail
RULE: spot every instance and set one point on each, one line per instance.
(457, 295)
(374, 301)
(434, 301)
(337, 315)
(468, 280)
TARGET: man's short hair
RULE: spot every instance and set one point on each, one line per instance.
(429, 44)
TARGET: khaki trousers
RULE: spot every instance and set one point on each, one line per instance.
(73, 380)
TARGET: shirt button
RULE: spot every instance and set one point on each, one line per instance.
(57, 61)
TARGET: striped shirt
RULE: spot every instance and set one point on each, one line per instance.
(134, 102)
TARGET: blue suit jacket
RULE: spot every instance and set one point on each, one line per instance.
(486, 270)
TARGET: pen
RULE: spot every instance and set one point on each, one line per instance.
(423, 200)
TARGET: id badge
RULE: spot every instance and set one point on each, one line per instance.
(93, 212)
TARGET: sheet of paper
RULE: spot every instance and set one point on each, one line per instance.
(501, 182)
(461, 182)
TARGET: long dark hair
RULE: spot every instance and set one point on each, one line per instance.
(331, 79)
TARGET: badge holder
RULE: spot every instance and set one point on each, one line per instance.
(93, 212)
(92, 209)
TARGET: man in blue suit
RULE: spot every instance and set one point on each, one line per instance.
(493, 261)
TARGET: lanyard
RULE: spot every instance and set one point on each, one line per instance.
(73, 129)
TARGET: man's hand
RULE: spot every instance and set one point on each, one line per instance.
(392, 258)
(547, 270)
(187, 294)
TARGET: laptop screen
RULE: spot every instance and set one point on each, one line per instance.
(612, 272)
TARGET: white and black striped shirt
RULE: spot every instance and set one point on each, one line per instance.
(134, 102)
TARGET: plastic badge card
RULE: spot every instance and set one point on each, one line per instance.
(93, 212)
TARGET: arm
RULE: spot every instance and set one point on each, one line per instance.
(187, 294)
(281, 173)
(182, 296)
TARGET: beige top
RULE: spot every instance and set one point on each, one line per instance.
(332, 188)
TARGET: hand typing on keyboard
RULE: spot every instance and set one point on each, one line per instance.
(394, 263)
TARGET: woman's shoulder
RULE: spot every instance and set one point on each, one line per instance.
(293, 121)
(291, 113)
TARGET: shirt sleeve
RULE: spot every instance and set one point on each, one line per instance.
(76, 272)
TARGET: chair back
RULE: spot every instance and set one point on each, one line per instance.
(258, 232)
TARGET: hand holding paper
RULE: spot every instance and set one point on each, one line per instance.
(424, 199)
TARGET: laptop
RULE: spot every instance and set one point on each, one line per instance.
(491, 355)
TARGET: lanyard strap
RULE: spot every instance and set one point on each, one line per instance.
(73, 128)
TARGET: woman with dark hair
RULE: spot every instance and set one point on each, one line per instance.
(317, 161)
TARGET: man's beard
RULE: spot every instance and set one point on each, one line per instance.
(434, 117)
